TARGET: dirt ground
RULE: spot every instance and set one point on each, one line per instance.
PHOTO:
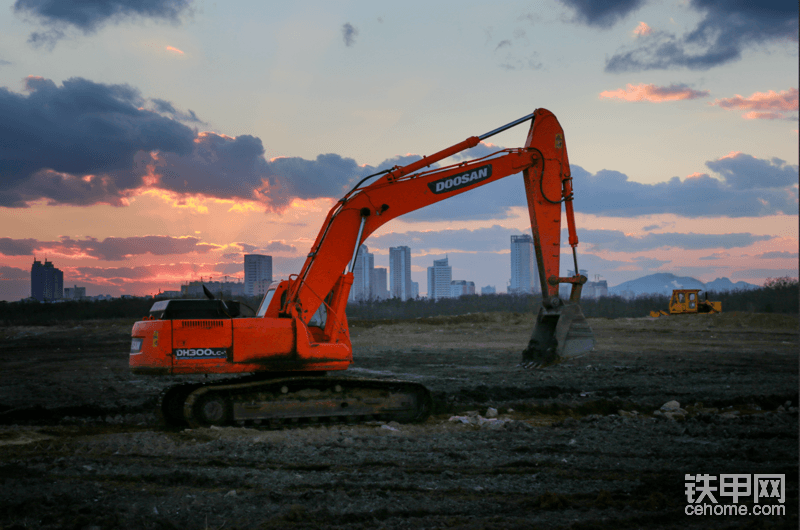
(581, 445)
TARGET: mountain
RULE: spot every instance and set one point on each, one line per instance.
(665, 282)
(724, 284)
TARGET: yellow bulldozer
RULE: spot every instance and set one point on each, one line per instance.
(687, 301)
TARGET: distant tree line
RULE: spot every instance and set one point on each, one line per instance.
(778, 295)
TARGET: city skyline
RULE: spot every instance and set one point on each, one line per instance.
(148, 146)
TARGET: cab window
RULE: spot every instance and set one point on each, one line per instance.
(262, 309)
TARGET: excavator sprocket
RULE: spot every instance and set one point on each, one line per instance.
(292, 401)
(559, 334)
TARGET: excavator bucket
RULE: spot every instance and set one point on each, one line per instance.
(560, 333)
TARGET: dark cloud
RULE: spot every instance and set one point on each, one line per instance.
(119, 274)
(13, 273)
(279, 246)
(17, 247)
(110, 248)
(349, 34)
(497, 238)
(778, 254)
(650, 227)
(765, 273)
(745, 172)
(716, 256)
(119, 248)
(247, 249)
(86, 143)
(89, 15)
(3, 62)
(165, 107)
(602, 14)
(750, 187)
(618, 241)
(81, 129)
(481, 239)
(649, 263)
(727, 28)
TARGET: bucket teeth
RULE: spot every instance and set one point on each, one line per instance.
(560, 334)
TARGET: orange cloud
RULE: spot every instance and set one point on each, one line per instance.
(763, 116)
(784, 101)
(772, 105)
(642, 29)
(653, 93)
(175, 50)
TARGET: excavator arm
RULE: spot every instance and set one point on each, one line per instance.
(545, 168)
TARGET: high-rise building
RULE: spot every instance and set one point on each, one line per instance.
(439, 277)
(524, 272)
(489, 289)
(400, 273)
(377, 284)
(47, 282)
(75, 293)
(414, 290)
(257, 268)
(362, 274)
(461, 288)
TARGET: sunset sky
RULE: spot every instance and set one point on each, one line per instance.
(146, 144)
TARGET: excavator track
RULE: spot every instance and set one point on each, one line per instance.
(293, 401)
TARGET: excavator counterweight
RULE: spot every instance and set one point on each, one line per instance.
(300, 332)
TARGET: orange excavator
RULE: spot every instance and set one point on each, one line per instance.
(299, 332)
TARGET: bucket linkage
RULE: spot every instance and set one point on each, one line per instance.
(561, 332)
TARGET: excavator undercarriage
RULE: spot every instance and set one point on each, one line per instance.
(275, 402)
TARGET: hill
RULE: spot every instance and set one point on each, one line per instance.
(665, 282)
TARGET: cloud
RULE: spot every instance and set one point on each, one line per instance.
(493, 239)
(763, 105)
(3, 62)
(81, 129)
(650, 227)
(653, 93)
(349, 34)
(764, 273)
(279, 246)
(618, 241)
(642, 30)
(745, 172)
(716, 256)
(726, 29)
(109, 249)
(86, 143)
(649, 263)
(13, 273)
(778, 254)
(90, 16)
(749, 187)
(165, 107)
(498, 238)
(17, 247)
(601, 14)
